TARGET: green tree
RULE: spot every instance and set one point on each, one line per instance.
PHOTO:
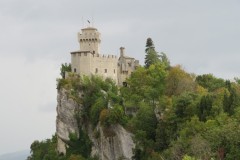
(237, 80)
(210, 82)
(45, 150)
(96, 109)
(185, 106)
(231, 99)
(79, 145)
(149, 88)
(65, 68)
(179, 81)
(149, 45)
(223, 135)
(205, 107)
(165, 60)
(167, 127)
(146, 121)
(156, 87)
(144, 125)
(152, 56)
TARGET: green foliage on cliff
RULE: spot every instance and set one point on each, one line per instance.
(197, 115)
(79, 146)
(64, 69)
(45, 150)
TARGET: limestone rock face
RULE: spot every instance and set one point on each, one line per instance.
(112, 143)
(66, 122)
(117, 146)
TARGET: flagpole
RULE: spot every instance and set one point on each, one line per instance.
(88, 23)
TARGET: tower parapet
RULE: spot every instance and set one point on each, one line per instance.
(89, 40)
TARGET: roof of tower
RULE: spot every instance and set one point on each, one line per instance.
(90, 28)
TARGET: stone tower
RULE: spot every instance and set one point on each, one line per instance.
(89, 40)
(88, 60)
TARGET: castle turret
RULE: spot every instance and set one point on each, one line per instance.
(89, 40)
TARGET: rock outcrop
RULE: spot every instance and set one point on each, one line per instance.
(112, 143)
(117, 145)
(66, 122)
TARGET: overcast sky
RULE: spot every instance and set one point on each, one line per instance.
(37, 36)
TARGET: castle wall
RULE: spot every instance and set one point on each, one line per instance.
(91, 64)
(105, 66)
(126, 66)
(81, 63)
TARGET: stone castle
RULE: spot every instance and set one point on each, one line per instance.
(89, 61)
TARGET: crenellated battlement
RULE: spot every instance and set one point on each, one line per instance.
(89, 54)
(106, 56)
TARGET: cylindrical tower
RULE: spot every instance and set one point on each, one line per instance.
(89, 40)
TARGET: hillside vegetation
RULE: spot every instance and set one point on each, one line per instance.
(174, 115)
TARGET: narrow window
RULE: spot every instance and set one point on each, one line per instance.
(93, 52)
(96, 70)
(75, 70)
(114, 70)
(105, 71)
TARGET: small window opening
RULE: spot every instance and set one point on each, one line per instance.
(105, 71)
(96, 70)
(75, 70)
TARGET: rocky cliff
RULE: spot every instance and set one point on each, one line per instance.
(111, 143)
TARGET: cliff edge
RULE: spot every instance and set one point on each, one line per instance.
(107, 143)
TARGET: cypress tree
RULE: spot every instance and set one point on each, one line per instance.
(152, 56)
